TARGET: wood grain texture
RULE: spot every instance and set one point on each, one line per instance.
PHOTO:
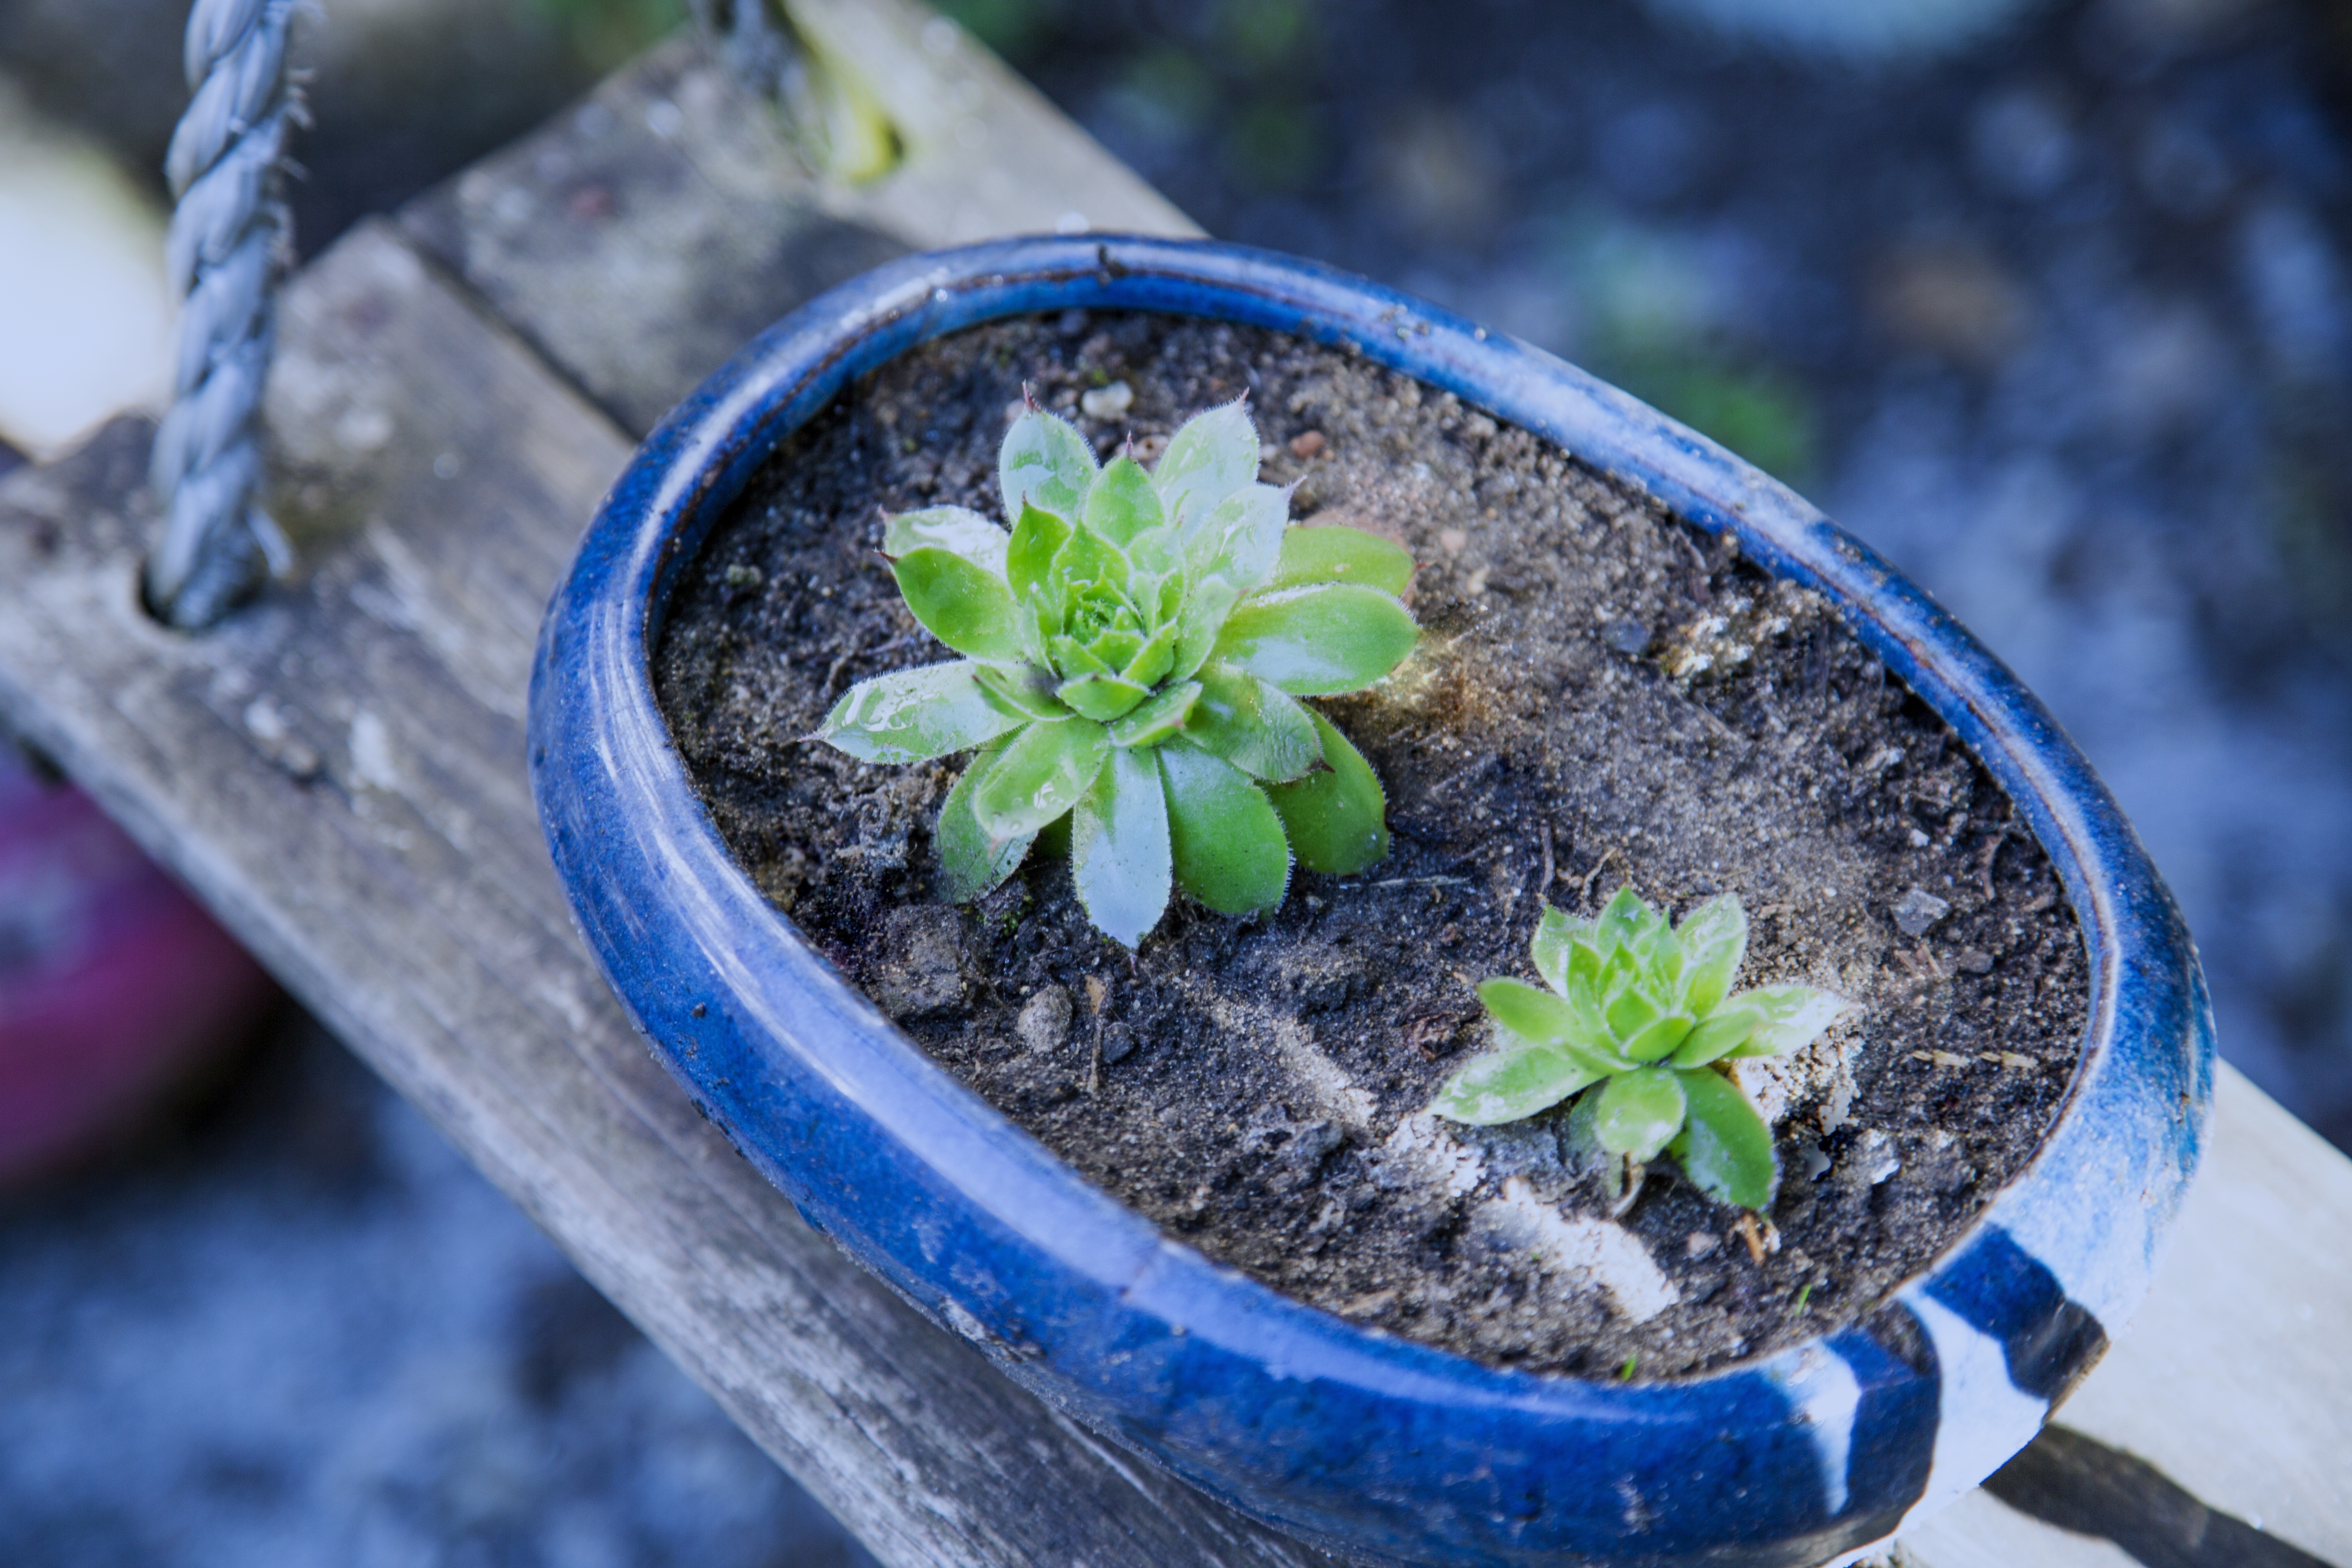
(640, 238)
(2232, 1379)
(340, 775)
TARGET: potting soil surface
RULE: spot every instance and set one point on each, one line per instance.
(1603, 695)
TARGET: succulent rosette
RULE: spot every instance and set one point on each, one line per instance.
(1135, 647)
(1638, 1018)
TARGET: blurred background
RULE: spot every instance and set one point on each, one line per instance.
(2046, 301)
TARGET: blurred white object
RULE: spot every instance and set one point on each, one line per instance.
(85, 317)
(1852, 29)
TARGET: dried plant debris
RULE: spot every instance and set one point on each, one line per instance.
(1257, 1085)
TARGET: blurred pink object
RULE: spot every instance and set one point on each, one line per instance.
(114, 986)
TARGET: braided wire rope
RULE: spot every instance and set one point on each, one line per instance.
(230, 236)
(229, 244)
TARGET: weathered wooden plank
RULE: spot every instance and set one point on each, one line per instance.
(2230, 1380)
(642, 237)
(2233, 1379)
(339, 773)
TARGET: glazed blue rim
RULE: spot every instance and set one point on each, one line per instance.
(1362, 1441)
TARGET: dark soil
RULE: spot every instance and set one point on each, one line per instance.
(1252, 1084)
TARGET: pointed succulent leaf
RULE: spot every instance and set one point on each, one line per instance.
(949, 528)
(914, 715)
(964, 605)
(1630, 1012)
(1514, 1080)
(1658, 1040)
(1041, 775)
(1036, 539)
(1102, 698)
(1241, 539)
(971, 865)
(1044, 609)
(1199, 624)
(1075, 658)
(1714, 939)
(1254, 725)
(1623, 920)
(1226, 840)
(1722, 1032)
(1157, 717)
(1526, 1010)
(1155, 551)
(1579, 1141)
(1336, 553)
(1119, 647)
(1794, 1017)
(1025, 687)
(1119, 857)
(1085, 557)
(1123, 503)
(1154, 661)
(1320, 641)
(1585, 964)
(1169, 609)
(1044, 460)
(1639, 1112)
(1556, 933)
(1211, 455)
(1336, 819)
(1724, 1147)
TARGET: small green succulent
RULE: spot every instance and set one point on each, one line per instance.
(1637, 1016)
(1135, 649)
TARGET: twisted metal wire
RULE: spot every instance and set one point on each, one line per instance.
(229, 239)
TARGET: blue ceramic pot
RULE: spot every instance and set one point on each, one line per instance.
(1365, 1444)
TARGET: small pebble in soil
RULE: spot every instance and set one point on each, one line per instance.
(740, 575)
(1628, 637)
(1044, 1022)
(1107, 402)
(1970, 960)
(922, 968)
(1917, 909)
(1307, 444)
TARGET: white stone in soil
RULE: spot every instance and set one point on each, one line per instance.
(1107, 402)
(1820, 1074)
(1045, 1021)
(1421, 1147)
(1917, 909)
(1580, 1252)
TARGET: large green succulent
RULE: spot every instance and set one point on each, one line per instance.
(1135, 649)
(1637, 1015)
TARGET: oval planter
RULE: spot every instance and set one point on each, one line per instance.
(1363, 1443)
